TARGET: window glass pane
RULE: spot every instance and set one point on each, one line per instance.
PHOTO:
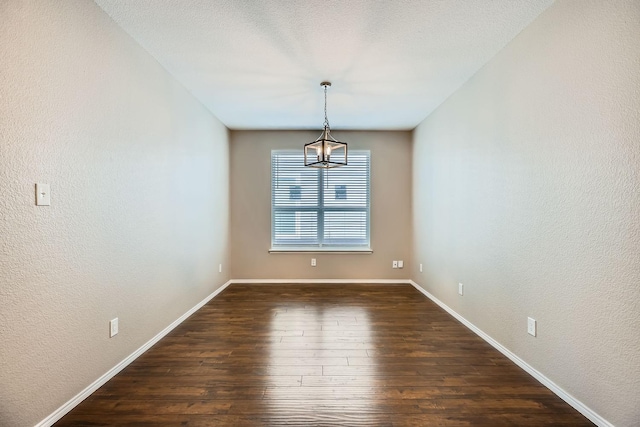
(349, 185)
(292, 185)
(294, 228)
(345, 227)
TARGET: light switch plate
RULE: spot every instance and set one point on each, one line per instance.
(532, 327)
(43, 194)
(113, 327)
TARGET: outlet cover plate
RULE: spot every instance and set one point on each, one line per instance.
(460, 289)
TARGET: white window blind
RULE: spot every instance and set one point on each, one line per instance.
(315, 209)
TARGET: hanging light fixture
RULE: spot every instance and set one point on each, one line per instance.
(326, 151)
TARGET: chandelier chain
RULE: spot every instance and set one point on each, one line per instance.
(326, 120)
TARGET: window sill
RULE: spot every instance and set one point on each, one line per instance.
(321, 250)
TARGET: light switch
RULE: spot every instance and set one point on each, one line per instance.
(43, 194)
(532, 327)
(113, 327)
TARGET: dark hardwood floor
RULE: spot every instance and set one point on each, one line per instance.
(322, 355)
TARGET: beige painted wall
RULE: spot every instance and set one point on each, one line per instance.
(527, 190)
(138, 220)
(251, 208)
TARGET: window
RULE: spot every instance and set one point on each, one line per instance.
(316, 209)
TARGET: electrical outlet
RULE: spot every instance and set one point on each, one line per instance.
(219, 268)
(532, 327)
(113, 328)
(400, 264)
(460, 289)
(420, 268)
(394, 264)
(313, 262)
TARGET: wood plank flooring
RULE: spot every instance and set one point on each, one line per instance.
(322, 355)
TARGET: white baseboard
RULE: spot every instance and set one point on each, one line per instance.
(324, 281)
(75, 401)
(578, 405)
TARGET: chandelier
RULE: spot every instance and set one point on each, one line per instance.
(326, 151)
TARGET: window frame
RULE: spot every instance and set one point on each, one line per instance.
(321, 208)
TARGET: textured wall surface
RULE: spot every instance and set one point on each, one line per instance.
(527, 190)
(251, 208)
(138, 221)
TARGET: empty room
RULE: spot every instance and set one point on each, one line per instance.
(319, 213)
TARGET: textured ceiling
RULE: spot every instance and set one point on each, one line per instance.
(258, 64)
